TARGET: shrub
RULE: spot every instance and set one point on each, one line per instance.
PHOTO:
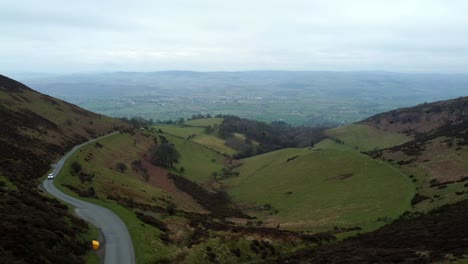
(76, 167)
(120, 166)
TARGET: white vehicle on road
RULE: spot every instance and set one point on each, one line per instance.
(119, 246)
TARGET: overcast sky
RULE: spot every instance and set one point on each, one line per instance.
(207, 35)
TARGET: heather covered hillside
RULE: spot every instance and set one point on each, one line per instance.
(36, 129)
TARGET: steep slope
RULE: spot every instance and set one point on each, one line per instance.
(36, 129)
(422, 119)
(36, 124)
(428, 142)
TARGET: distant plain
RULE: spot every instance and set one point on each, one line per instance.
(298, 98)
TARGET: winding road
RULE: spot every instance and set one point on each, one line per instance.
(118, 243)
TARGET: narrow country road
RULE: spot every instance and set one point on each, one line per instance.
(118, 244)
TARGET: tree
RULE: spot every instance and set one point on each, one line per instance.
(181, 169)
(76, 167)
(208, 130)
(120, 166)
(164, 155)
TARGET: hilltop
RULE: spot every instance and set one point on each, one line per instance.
(37, 129)
(423, 119)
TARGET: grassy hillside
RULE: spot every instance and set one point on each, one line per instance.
(198, 161)
(166, 220)
(195, 131)
(142, 184)
(365, 138)
(317, 189)
(36, 129)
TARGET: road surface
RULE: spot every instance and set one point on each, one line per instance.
(118, 244)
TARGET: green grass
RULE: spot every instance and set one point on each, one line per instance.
(446, 196)
(204, 122)
(8, 184)
(181, 131)
(198, 135)
(148, 247)
(319, 197)
(91, 256)
(198, 161)
(222, 250)
(367, 138)
(93, 233)
(117, 148)
(436, 161)
(214, 143)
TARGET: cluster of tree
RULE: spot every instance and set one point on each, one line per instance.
(338, 141)
(138, 121)
(269, 137)
(201, 116)
(179, 121)
(143, 122)
(164, 154)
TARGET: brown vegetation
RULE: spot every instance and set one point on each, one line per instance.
(36, 129)
(417, 238)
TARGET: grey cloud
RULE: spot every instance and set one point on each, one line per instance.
(106, 35)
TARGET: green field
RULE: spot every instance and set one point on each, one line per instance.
(198, 161)
(181, 131)
(199, 135)
(204, 122)
(367, 138)
(323, 188)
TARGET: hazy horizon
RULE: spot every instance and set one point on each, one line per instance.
(35, 74)
(204, 35)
